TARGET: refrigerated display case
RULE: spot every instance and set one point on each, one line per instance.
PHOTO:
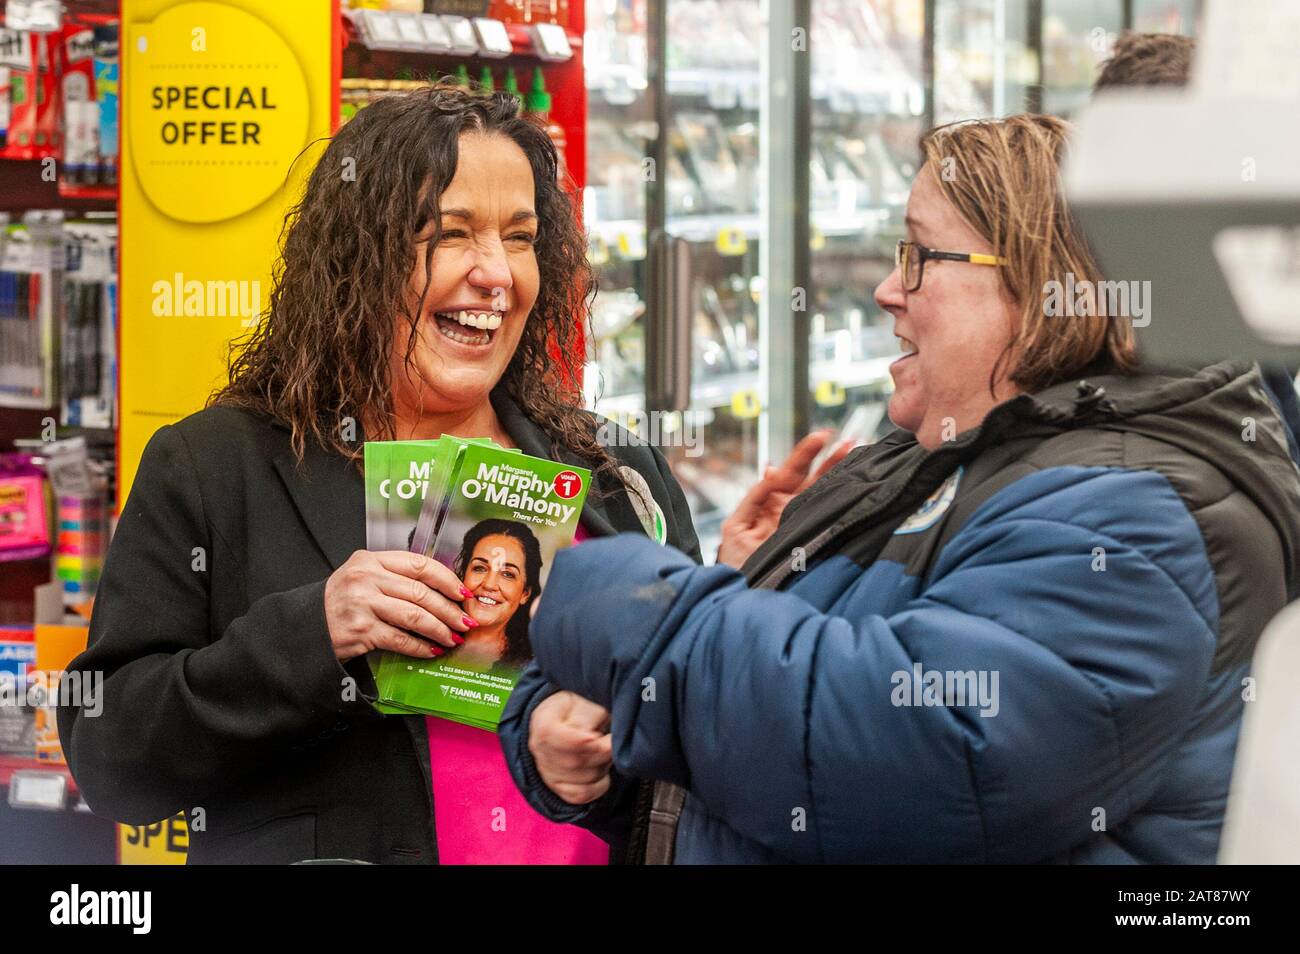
(865, 127)
(1077, 38)
(985, 58)
(673, 233)
(738, 240)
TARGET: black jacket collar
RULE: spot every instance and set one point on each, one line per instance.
(532, 440)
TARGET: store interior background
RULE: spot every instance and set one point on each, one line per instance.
(680, 324)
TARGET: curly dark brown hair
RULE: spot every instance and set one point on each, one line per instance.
(321, 353)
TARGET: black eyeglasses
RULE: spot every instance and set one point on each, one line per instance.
(910, 257)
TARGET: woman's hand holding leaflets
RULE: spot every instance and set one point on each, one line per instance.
(391, 599)
(758, 514)
(570, 743)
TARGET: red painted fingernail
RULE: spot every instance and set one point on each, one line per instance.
(465, 594)
(469, 621)
(438, 650)
(457, 639)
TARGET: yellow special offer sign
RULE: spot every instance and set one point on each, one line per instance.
(224, 103)
(162, 843)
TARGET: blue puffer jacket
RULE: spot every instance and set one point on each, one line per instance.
(1027, 645)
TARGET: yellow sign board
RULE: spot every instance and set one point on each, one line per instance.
(162, 843)
(220, 99)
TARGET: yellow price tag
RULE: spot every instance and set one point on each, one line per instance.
(164, 842)
(631, 246)
(598, 250)
(828, 394)
(731, 241)
(817, 239)
(745, 404)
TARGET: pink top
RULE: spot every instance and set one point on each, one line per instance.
(479, 817)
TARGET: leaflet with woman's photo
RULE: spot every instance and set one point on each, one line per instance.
(497, 518)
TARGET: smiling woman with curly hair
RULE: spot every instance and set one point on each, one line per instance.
(432, 281)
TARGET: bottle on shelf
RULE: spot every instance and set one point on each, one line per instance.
(485, 81)
(538, 105)
(461, 78)
(511, 85)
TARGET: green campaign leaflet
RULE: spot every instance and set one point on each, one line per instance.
(497, 518)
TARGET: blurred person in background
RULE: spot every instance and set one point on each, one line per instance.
(1165, 59)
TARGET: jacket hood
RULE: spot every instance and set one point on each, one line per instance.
(1220, 414)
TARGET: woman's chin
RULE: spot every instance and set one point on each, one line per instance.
(905, 410)
(452, 388)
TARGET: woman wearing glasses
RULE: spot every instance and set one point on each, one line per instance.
(1014, 630)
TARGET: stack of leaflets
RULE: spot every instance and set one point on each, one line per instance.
(497, 518)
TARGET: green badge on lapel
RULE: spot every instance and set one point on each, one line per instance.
(638, 493)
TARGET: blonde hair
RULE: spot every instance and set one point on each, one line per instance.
(1003, 178)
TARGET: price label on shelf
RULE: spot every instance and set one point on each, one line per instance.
(409, 30)
(492, 37)
(816, 239)
(551, 42)
(597, 250)
(44, 790)
(463, 37)
(436, 37)
(745, 404)
(731, 240)
(829, 394)
(631, 246)
(379, 30)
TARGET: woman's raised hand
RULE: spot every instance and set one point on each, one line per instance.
(569, 739)
(395, 600)
(760, 511)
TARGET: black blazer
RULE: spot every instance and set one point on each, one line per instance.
(221, 695)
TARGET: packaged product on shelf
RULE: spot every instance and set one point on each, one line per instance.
(56, 647)
(87, 354)
(4, 105)
(17, 721)
(48, 139)
(538, 106)
(24, 517)
(77, 86)
(30, 271)
(496, 518)
(20, 103)
(106, 100)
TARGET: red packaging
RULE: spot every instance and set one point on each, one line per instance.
(16, 52)
(33, 94)
(49, 137)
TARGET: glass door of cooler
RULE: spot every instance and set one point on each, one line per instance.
(1077, 37)
(985, 57)
(672, 211)
(867, 113)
